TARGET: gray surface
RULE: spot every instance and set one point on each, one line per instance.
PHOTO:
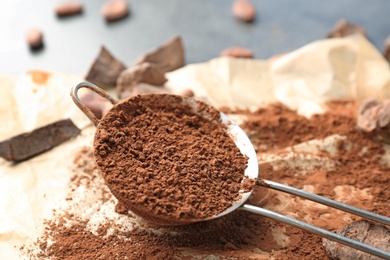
(207, 27)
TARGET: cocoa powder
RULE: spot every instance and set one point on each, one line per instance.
(167, 162)
(239, 235)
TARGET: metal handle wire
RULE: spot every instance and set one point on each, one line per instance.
(84, 108)
(316, 230)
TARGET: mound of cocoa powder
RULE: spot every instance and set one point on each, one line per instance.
(167, 163)
(239, 235)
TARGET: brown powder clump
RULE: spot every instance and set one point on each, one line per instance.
(78, 242)
(276, 126)
(167, 163)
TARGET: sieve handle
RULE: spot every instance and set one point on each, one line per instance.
(83, 107)
(325, 201)
(316, 230)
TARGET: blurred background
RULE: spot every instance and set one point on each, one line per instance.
(207, 27)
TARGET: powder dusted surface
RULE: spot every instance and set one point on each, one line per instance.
(349, 167)
(166, 163)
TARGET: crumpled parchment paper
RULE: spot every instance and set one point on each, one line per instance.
(303, 80)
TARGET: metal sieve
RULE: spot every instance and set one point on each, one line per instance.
(244, 144)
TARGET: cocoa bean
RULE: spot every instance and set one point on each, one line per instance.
(187, 93)
(114, 10)
(34, 38)
(244, 10)
(238, 52)
(68, 9)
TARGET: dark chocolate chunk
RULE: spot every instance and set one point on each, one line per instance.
(141, 73)
(27, 145)
(344, 28)
(370, 233)
(168, 57)
(105, 70)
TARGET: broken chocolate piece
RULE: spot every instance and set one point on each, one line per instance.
(105, 70)
(168, 57)
(144, 72)
(142, 88)
(344, 28)
(384, 115)
(387, 49)
(27, 145)
(244, 10)
(376, 235)
(237, 52)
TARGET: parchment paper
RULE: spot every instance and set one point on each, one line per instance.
(303, 80)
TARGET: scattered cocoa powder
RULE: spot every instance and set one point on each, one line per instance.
(165, 162)
(239, 235)
(276, 126)
(359, 166)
